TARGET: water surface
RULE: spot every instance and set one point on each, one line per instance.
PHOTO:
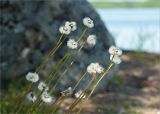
(134, 29)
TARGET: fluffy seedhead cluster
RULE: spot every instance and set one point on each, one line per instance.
(40, 92)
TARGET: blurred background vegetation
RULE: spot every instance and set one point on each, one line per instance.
(125, 3)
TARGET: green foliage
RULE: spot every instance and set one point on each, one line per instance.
(149, 4)
(128, 106)
(157, 60)
(9, 100)
(117, 82)
(139, 55)
(109, 111)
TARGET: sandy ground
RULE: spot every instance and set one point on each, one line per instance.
(135, 91)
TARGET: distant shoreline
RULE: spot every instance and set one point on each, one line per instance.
(126, 4)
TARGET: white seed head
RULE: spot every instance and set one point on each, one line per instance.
(115, 51)
(71, 43)
(91, 69)
(65, 29)
(99, 68)
(33, 77)
(91, 40)
(42, 85)
(67, 92)
(72, 24)
(94, 68)
(46, 97)
(115, 58)
(88, 22)
(31, 97)
(80, 94)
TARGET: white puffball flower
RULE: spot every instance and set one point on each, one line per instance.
(88, 22)
(67, 92)
(31, 97)
(115, 51)
(91, 40)
(71, 43)
(42, 85)
(46, 97)
(65, 29)
(33, 77)
(98, 68)
(79, 94)
(72, 24)
(115, 58)
(94, 68)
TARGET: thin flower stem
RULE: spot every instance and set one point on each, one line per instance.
(62, 77)
(50, 80)
(53, 88)
(76, 101)
(78, 81)
(83, 32)
(72, 62)
(84, 93)
(96, 84)
(47, 58)
(58, 104)
(51, 53)
(54, 68)
(57, 64)
(57, 100)
(38, 105)
(53, 50)
(88, 89)
(20, 103)
(102, 76)
(35, 103)
(82, 77)
(58, 44)
(57, 71)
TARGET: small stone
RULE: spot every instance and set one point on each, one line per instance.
(25, 52)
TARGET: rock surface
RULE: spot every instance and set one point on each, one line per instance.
(29, 29)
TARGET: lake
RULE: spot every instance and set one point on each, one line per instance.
(134, 29)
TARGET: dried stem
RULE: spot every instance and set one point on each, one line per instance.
(98, 81)
(76, 101)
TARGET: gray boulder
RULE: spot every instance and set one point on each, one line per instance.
(29, 29)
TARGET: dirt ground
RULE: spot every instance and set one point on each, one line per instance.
(134, 90)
